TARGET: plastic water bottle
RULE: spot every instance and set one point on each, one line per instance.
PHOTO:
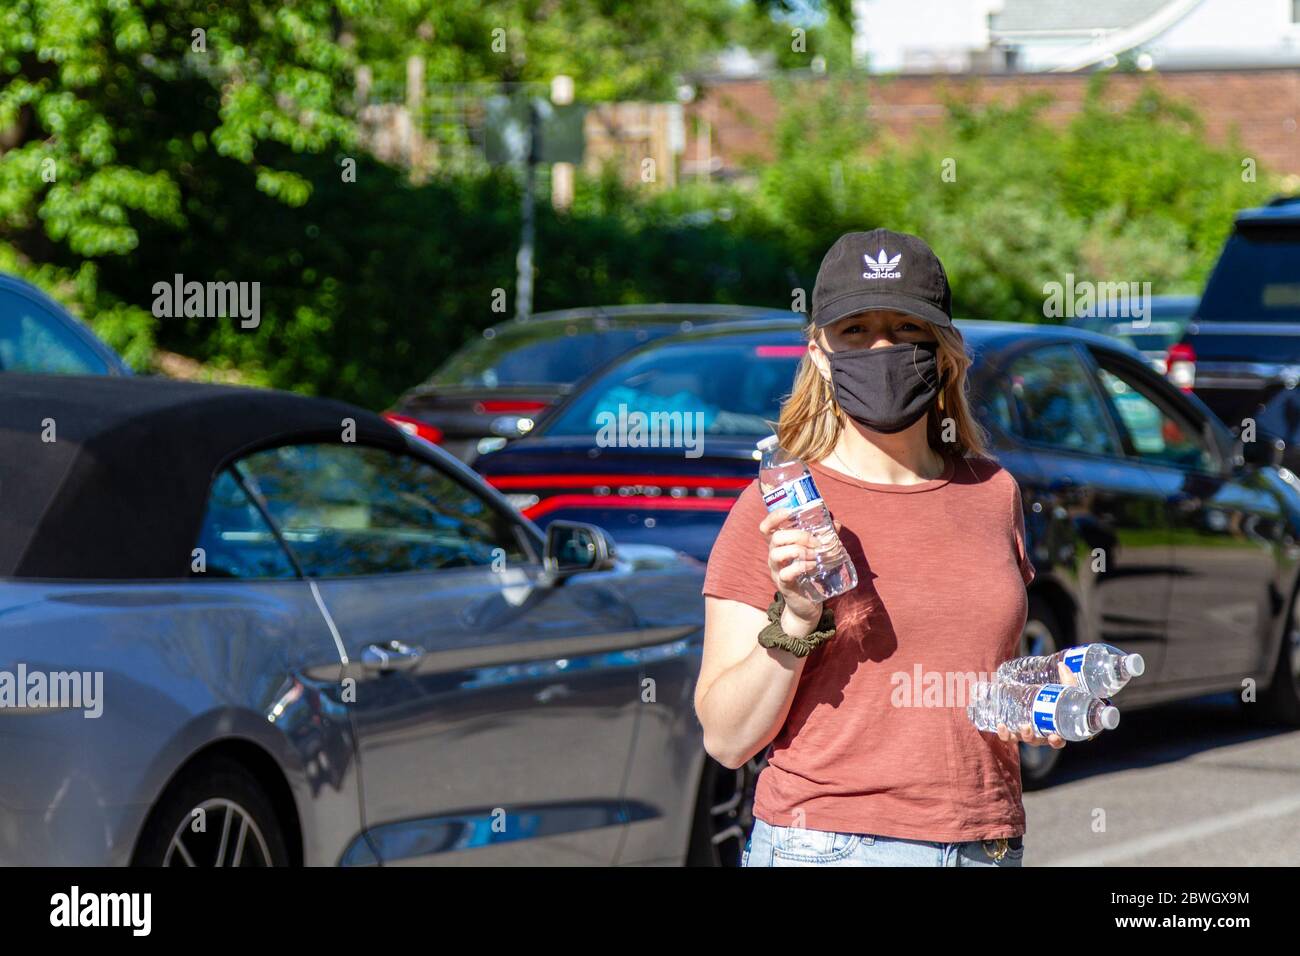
(1050, 708)
(1100, 669)
(786, 483)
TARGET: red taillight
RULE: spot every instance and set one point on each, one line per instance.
(780, 351)
(413, 426)
(653, 492)
(505, 406)
(1180, 366)
(618, 481)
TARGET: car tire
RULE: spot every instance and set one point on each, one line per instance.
(724, 812)
(215, 814)
(1282, 699)
(1042, 634)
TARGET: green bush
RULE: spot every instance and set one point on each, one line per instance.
(367, 286)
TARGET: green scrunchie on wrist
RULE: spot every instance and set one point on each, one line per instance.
(774, 636)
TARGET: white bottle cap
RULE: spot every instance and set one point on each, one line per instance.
(1135, 665)
(1110, 717)
(765, 443)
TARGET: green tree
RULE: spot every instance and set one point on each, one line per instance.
(111, 111)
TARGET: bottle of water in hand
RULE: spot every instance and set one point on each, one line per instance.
(1100, 669)
(1050, 708)
(786, 483)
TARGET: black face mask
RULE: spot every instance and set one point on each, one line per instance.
(887, 389)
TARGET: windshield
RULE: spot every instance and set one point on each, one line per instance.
(1257, 279)
(32, 340)
(548, 353)
(735, 384)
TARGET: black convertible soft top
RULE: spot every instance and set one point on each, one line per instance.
(121, 491)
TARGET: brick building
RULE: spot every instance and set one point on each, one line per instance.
(732, 119)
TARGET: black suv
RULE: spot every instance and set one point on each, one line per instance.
(1241, 351)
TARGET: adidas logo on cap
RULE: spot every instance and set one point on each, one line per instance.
(882, 267)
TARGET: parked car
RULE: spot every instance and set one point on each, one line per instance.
(499, 386)
(1153, 334)
(38, 335)
(1241, 351)
(329, 641)
(1198, 533)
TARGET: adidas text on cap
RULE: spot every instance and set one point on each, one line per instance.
(881, 269)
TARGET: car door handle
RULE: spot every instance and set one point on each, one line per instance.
(392, 656)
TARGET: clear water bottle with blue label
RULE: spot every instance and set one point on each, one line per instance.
(786, 483)
(1100, 669)
(1050, 708)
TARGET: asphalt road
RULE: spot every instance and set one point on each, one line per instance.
(1190, 784)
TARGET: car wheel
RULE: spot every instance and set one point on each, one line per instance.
(724, 812)
(1041, 635)
(1282, 699)
(216, 814)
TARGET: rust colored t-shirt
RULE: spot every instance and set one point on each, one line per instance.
(877, 740)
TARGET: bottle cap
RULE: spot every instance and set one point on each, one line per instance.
(1110, 717)
(1135, 665)
(765, 443)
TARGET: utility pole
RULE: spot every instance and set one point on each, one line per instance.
(524, 261)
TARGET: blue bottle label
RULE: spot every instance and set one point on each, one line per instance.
(1074, 658)
(796, 494)
(1045, 708)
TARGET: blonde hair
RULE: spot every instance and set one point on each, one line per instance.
(811, 419)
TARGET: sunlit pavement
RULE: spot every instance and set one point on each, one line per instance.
(1192, 784)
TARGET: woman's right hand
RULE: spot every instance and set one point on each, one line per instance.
(790, 554)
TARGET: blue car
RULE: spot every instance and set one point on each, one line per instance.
(1199, 529)
(38, 335)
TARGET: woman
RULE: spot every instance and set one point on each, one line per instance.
(869, 764)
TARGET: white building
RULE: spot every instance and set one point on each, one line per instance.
(958, 36)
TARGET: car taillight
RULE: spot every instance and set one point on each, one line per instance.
(549, 492)
(502, 406)
(413, 426)
(1181, 366)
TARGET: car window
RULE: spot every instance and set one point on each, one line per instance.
(235, 541)
(545, 354)
(1155, 434)
(994, 408)
(34, 340)
(351, 510)
(730, 386)
(1057, 404)
(1255, 279)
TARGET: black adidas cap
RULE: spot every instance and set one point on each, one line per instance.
(881, 269)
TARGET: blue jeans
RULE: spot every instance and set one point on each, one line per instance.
(794, 846)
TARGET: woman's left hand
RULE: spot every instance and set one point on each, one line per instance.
(1027, 734)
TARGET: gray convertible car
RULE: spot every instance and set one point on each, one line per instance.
(245, 628)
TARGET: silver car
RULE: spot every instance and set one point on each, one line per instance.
(245, 628)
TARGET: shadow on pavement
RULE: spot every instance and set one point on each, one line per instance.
(1161, 735)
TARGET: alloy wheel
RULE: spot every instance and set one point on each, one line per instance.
(1035, 640)
(229, 836)
(730, 797)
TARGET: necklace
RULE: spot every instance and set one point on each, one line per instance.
(849, 468)
(854, 472)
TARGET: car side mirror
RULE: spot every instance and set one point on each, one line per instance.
(1265, 451)
(573, 547)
